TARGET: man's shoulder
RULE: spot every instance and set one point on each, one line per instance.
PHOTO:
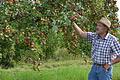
(92, 33)
(112, 37)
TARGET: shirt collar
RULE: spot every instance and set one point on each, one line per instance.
(106, 37)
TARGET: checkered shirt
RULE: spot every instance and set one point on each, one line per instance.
(103, 49)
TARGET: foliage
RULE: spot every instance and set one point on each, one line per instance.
(7, 46)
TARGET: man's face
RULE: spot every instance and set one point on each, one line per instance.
(101, 28)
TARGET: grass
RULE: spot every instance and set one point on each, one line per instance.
(63, 70)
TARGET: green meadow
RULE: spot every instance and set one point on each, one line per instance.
(62, 70)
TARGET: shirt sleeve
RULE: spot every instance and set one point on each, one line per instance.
(90, 36)
(116, 48)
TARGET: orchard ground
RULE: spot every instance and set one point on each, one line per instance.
(53, 70)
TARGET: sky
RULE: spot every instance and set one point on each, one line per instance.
(118, 4)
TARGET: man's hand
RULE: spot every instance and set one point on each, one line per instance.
(106, 66)
(75, 17)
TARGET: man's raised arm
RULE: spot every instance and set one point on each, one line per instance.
(79, 31)
(117, 60)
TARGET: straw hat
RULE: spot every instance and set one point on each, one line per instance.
(106, 22)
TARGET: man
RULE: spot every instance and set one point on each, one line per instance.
(104, 45)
